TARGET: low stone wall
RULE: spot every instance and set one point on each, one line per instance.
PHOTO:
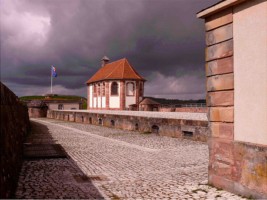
(185, 109)
(179, 128)
(14, 126)
(192, 109)
(242, 167)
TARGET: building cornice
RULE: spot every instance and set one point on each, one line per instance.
(218, 7)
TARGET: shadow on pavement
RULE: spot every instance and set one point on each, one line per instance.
(48, 171)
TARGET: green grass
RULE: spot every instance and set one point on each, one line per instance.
(61, 97)
(69, 97)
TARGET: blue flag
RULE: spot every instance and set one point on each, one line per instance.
(53, 71)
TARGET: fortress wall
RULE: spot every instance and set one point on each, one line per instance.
(177, 128)
(14, 126)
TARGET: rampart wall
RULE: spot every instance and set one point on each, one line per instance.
(14, 126)
(178, 128)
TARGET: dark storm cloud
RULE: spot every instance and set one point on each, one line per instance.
(161, 39)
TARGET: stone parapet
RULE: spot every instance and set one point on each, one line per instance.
(178, 128)
(14, 126)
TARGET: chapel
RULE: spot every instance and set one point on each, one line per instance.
(115, 86)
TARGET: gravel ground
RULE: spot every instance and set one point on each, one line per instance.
(169, 115)
(130, 165)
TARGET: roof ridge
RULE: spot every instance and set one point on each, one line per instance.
(134, 71)
(124, 59)
(114, 68)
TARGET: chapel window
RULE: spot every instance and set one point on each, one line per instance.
(130, 89)
(94, 89)
(98, 89)
(103, 89)
(114, 88)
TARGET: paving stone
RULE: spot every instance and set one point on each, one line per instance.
(119, 164)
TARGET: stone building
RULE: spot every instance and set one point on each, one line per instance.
(149, 104)
(115, 86)
(63, 104)
(37, 108)
(236, 70)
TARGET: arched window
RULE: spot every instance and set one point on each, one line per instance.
(114, 88)
(103, 89)
(98, 89)
(94, 89)
(60, 107)
(130, 89)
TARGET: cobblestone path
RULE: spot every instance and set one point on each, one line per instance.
(126, 164)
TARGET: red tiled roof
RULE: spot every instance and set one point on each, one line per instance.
(148, 101)
(120, 69)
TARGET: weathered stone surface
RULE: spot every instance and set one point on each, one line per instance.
(218, 51)
(192, 109)
(14, 126)
(238, 167)
(120, 164)
(219, 19)
(221, 150)
(221, 66)
(167, 126)
(222, 130)
(220, 98)
(219, 35)
(253, 166)
(220, 82)
(221, 114)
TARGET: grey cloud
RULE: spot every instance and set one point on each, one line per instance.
(156, 36)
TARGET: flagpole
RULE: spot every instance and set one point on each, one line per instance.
(51, 81)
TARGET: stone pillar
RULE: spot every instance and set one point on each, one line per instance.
(137, 94)
(220, 97)
(107, 92)
(100, 92)
(96, 96)
(122, 95)
(88, 97)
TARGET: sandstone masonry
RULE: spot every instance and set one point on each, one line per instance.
(14, 126)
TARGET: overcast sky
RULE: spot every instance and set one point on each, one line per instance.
(162, 39)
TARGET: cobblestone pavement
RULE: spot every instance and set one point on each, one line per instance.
(129, 165)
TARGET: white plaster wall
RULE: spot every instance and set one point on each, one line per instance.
(99, 102)
(250, 72)
(114, 101)
(103, 102)
(130, 100)
(91, 95)
(66, 106)
(94, 102)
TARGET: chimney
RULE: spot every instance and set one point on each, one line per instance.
(105, 60)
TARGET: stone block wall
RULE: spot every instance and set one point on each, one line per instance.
(14, 126)
(236, 166)
(37, 112)
(192, 109)
(178, 128)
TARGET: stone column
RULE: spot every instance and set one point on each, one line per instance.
(122, 95)
(137, 93)
(88, 97)
(107, 94)
(220, 98)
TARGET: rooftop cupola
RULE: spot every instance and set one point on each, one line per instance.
(105, 60)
